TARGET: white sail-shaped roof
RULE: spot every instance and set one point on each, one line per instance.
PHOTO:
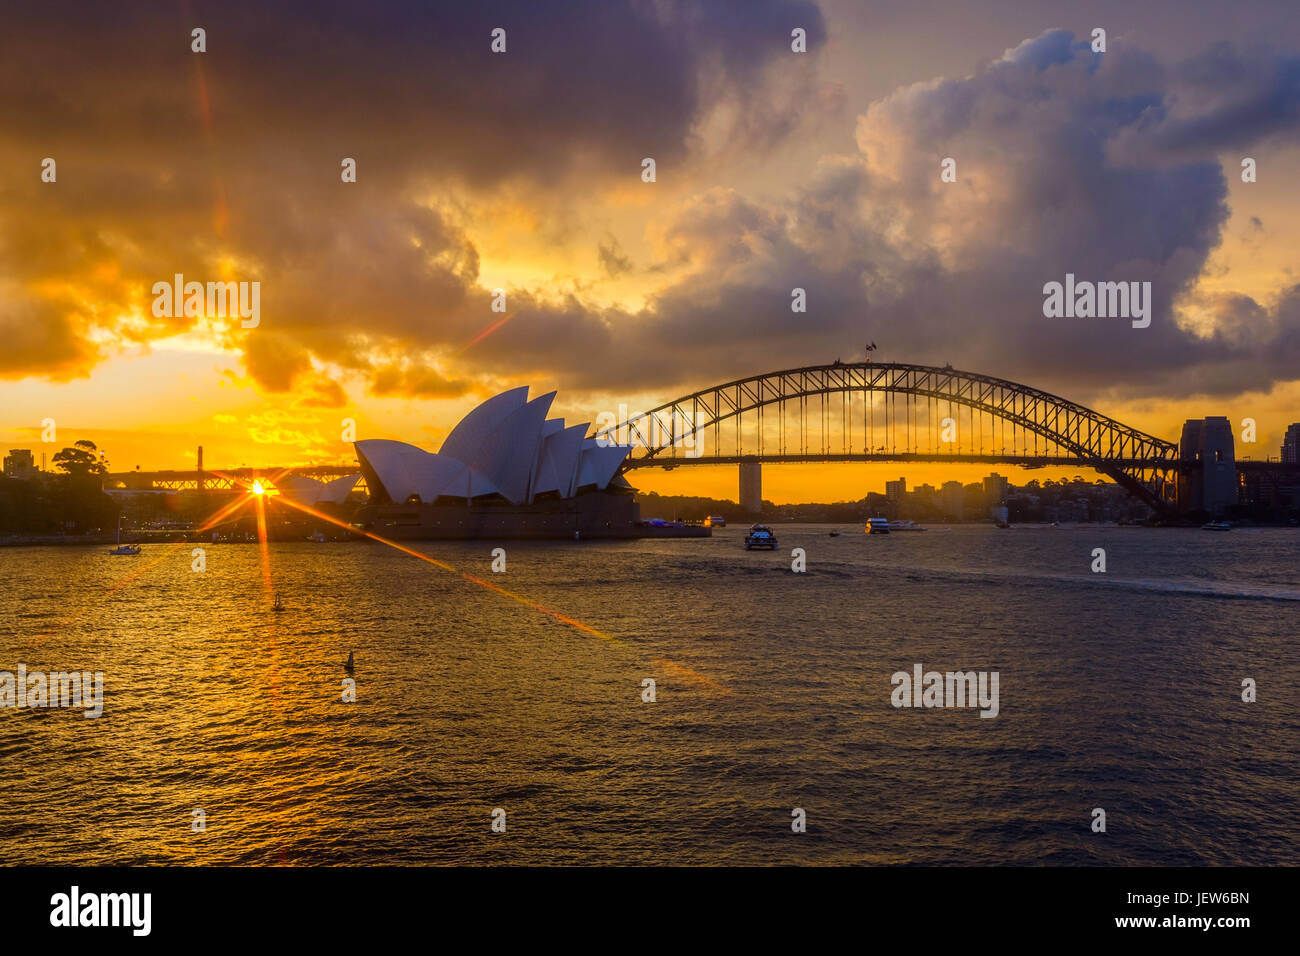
(506, 446)
(557, 466)
(337, 491)
(472, 430)
(405, 470)
(301, 488)
(385, 453)
(552, 426)
(437, 474)
(598, 465)
(507, 456)
(469, 484)
(309, 491)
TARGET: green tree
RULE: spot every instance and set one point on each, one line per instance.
(77, 501)
(82, 460)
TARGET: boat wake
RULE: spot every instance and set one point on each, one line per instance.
(1193, 587)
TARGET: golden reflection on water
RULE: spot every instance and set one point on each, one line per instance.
(469, 698)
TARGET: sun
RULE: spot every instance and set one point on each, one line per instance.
(258, 489)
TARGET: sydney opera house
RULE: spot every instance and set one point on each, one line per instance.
(505, 471)
(312, 492)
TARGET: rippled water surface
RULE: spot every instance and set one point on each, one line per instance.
(1118, 690)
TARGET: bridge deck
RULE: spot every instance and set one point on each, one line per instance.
(1027, 461)
(225, 479)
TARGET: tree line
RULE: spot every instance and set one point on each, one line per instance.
(69, 500)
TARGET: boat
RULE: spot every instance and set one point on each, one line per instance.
(834, 534)
(715, 521)
(877, 526)
(760, 536)
(317, 537)
(907, 525)
(1217, 526)
(124, 550)
(279, 604)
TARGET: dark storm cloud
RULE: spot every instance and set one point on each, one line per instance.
(415, 380)
(1052, 180)
(408, 86)
(612, 259)
(276, 360)
(1242, 97)
(1105, 166)
(171, 161)
(39, 335)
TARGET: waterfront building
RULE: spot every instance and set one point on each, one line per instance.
(506, 470)
(20, 464)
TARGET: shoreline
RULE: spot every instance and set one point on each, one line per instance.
(110, 540)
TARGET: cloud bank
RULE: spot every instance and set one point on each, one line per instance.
(1109, 166)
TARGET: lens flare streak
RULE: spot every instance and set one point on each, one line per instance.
(680, 669)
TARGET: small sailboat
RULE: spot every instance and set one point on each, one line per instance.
(279, 603)
(126, 550)
(350, 665)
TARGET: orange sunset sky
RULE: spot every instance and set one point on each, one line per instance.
(522, 171)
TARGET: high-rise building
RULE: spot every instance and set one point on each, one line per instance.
(19, 463)
(995, 489)
(954, 499)
(894, 490)
(1291, 445)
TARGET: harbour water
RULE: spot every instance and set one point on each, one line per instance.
(1118, 690)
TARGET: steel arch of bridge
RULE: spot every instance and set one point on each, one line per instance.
(1070, 433)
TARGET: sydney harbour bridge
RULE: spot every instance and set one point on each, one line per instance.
(871, 411)
(884, 411)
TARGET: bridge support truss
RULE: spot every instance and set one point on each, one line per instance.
(890, 412)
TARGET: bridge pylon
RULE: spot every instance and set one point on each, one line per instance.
(751, 486)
